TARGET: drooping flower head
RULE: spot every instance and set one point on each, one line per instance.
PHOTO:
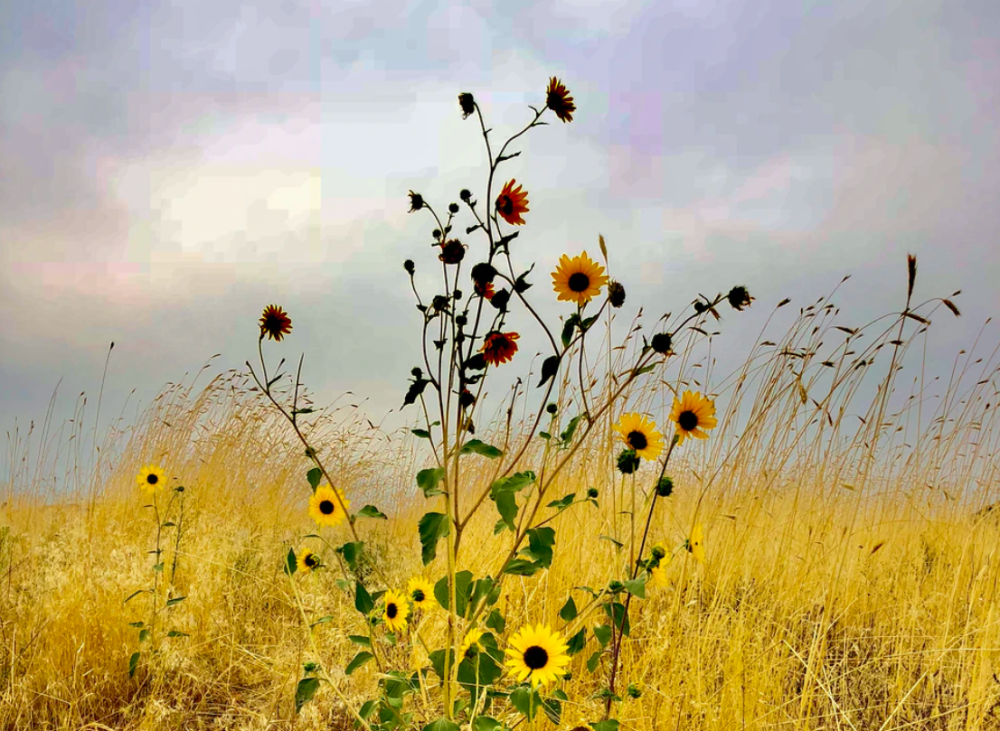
(325, 507)
(467, 103)
(538, 655)
(640, 434)
(396, 611)
(275, 323)
(421, 593)
(499, 347)
(150, 478)
(306, 561)
(484, 290)
(692, 413)
(511, 203)
(557, 99)
(471, 644)
(578, 279)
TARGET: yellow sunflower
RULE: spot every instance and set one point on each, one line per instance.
(537, 654)
(421, 593)
(150, 478)
(692, 413)
(396, 611)
(640, 434)
(471, 640)
(696, 543)
(578, 279)
(325, 508)
(658, 575)
(306, 561)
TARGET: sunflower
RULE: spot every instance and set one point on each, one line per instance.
(537, 654)
(511, 203)
(471, 641)
(499, 347)
(150, 478)
(696, 543)
(640, 434)
(396, 611)
(421, 593)
(658, 575)
(325, 508)
(306, 561)
(275, 323)
(692, 413)
(578, 279)
(559, 101)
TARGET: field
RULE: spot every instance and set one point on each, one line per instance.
(849, 580)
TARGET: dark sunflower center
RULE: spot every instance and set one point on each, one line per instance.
(507, 205)
(536, 657)
(418, 596)
(311, 561)
(688, 420)
(152, 479)
(326, 507)
(391, 610)
(637, 440)
(579, 282)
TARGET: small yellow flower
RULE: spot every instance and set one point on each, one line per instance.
(306, 561)
(640, 434)
(150, 478)
(421, 593)
(471, 640)
(396, 611)
(578, 279)
(696, 543)
(328, 506)
(537, 654)
(692, 413)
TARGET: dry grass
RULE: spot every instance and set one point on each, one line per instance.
(849, 583)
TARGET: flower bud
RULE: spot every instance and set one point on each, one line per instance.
(628, 461)
(467, 103)
(483, 273)
(416, 201)
(616, 294)
(739, 298)
(659, 553)
(453, 208)
(452, 251)
(592, 492)
(552, 408)
(465, 194)
(409, 266)
(661, 343)
(665, 487)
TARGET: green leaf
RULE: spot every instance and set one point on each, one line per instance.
(567, 332)
(321, 620)
(437, 661)
(616, 613)
(352, 553)
(357, 639)
(133, 663)
(525, 700)
(481, 590)
(428, 480)
(134, 594)
(137, 624)
(442, 724)
(485, 723)
(540, 544)
(474, 446)
(619, 544)
(314, 476)
(570, 430)
(506, 503)
(366, 710)
(175, 633)
(568, 612)
(305, 691)
(610, 725)
(421, 433)
(603, 634)
(158, 567)
(550, 367)
(577, 642)
(463, 589)
(144, 635)
(637, 587)
(641, 371)
(552, 707)
(370, 511)
(176, 600)
(363, 601)
(291, 565)
(360, 659)
(496, 622)
(521, 567)
(433, 527)
(594, 660)
(544, 435)
(562, 503)
(169, 524)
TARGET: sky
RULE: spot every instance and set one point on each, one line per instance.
(168, 169)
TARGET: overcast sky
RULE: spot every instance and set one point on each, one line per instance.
(168, 169)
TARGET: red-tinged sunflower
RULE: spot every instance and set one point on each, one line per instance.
(693, 413)
(511, 203)
(499, 347)
(275, 323)
(559, 101)
(484, 289)
(578, 279)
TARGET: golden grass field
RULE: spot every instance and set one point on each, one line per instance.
(845, 586)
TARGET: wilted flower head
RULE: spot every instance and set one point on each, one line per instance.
(452, 252)
(616, 294)
(557, 99)
(661, 343)
(416, 201)
(483, 272)
(468, 104)
(739, 298)
(499, 347)
(409, 266)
